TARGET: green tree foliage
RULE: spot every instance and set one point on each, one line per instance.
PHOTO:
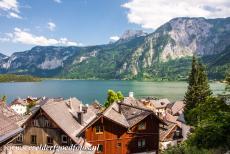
(211, 135)
(228, 82)
(4, 98)
(198, 91)
(185, 149)
(214, 125)
(113, 96)
(120, 95)
(18, 78)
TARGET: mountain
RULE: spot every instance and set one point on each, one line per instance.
(2, 56)
(130, 34)
(163, 54)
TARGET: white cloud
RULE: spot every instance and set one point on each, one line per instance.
(153, 13)
(24, 37)
(14, 15)
(114, 38)
(51, 26)
(57, 1)
(11, 8)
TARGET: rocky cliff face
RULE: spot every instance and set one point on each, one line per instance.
(135, 54)
(180, 37)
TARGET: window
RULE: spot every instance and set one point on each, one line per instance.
(47, 124)
(33, 139)
(142, 126)
(177, 133)
(100, 148)
(99, 129)
(118, 144)
(64, 139)
(35, 123)
(141, 143)
(19, 139)
(49, 140)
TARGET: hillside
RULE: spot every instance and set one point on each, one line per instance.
(18, 78)
(163, 54)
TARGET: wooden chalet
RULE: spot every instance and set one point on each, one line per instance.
(124, 128)
(57, 122)
(170, 135)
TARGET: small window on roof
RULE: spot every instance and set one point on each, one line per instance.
(35, 123)
(142, 126)
(47, 123)
(99, 129)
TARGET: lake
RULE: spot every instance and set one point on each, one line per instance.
(90, 90)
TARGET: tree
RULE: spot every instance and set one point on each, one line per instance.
(4, 98)
(30, 105)
(213, 129)
(113, 96)
(228, 82)
(120, 95)
(198, 91)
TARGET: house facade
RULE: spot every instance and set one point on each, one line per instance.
(56, 122)
(124, 128)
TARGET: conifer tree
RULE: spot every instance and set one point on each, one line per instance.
(198, 91)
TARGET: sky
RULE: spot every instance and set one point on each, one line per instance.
(27, 23)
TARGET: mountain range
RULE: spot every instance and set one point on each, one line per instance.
(164, 54)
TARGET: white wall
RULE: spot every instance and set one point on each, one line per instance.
(18, 108)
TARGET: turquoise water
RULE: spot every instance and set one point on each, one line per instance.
(89, 90)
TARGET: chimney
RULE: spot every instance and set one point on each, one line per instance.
(80, 107)
(80, 117)
(119, 107)
(131, 94)
(85, 108)
(70, 103)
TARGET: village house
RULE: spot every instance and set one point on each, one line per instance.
(170, 135)
(124, 128)
(57, 122)
(172, 113)
(176, 130)
(159, 106)
(9, 124)
(20, 105)
(175, 108)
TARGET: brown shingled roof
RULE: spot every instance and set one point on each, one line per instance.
(177, 106)
(10, 113)
(8, 127)
(64, 114)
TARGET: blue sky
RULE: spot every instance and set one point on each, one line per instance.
(27, 23)
(87, 22)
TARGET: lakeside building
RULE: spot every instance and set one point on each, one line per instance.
(176, 129)
(124, 128)
(57, 122)
(130, 126)
(20, 105)
(9, 124)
